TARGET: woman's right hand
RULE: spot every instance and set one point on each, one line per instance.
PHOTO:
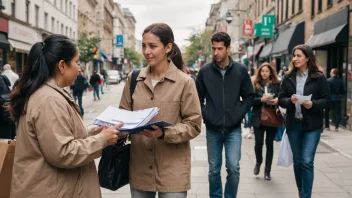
(264, 99)
(294, 99)
(110, 134)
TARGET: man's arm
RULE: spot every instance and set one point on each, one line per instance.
(246, 92)
(201, 92)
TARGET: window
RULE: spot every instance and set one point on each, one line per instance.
(46, 21)
(286, 14)
(13, 8)
(37, 16)
(320, 5)
(74, 35)
(70, 33)
(313, 8)
(52, 24)
(329, 2)
(55, 2)
(300, 5)
(66, 7)
(74, 12)
(58, 27)
(62, 28)
(61, 4)
(282, 11)
(262, 5)
(267, 2)
(27, 11)
(66, 31)
(277, 12)
(70, 13)
(293, 7)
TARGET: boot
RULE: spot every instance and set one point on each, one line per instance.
(256, 168)
(267, 173)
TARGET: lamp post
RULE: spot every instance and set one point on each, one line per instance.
(229, 18)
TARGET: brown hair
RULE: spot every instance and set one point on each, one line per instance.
(257, 80)
(312, 61)
(335, 71)
(166, 36)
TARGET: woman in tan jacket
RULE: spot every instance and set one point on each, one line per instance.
(161, 158)
(54, 152)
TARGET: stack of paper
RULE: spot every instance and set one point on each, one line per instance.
(134, 121)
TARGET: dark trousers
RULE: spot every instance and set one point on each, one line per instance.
(336, 110)
(78, 96)
(269, 142)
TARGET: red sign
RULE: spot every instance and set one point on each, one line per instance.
(248, 28)
(4, 25)
(223, 28)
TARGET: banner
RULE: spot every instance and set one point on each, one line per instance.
(247, 28)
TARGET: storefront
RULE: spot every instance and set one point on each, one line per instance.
(287, 40)
(21, 39)
(4, 43)
(254, 56)
(330, 42)
(264, 55)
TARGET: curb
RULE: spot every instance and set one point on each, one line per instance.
(333, 147)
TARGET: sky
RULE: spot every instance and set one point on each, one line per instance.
(183, 16)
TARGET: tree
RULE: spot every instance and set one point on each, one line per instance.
(199, 42)
(132, 55)
(87, 48)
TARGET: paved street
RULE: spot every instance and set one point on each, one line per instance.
(333, 172)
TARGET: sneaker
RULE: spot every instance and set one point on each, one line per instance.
(249, 136)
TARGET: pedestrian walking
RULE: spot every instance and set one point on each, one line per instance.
(337, 91)
(7, 126)
(78, 88)
(12, 76)
(94, 82)
(54, 151)
(266, 85)
(222, 83)
(161, 158)
(304, 120)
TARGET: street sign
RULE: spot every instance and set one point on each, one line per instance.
(247, 28)
(258, 29)
(119, 41)
(268, 25)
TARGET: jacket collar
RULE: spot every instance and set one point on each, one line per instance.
(170, 73)
(216, 65)
(52, 83)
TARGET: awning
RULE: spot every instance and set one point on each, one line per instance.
(257, 48)
(331, 29)
(266, 50)
(105, 56)
(20, 46)
(4, 43)
(288, 39)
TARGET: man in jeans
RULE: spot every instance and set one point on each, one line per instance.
(221, 83)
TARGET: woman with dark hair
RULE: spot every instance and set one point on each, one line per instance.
(54, 151)
(266, 84)
(161, 158)
(304, 119)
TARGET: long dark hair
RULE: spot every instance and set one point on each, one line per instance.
(166, 36)
(41, 65)
(312, 61)
(257, 81)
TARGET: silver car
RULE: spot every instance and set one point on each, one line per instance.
(114, 76)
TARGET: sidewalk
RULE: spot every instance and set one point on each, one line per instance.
(340, 141)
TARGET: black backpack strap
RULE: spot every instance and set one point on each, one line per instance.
(133, 85)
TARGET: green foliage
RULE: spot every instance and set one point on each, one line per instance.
(199, 40)
(133, 56)
(86, 46)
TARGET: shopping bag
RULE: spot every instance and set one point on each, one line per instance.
(113, 169)
(7, 155)
(285, 158)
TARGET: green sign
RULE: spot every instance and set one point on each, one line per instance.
(266, 28)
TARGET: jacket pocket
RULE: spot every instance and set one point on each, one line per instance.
(170, 111)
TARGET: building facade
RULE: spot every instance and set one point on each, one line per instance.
(32, 21)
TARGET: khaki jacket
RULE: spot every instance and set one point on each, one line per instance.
(54, 155)
(164, 165)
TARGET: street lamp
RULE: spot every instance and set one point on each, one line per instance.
(228, 17)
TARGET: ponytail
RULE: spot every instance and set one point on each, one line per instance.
(176, 57)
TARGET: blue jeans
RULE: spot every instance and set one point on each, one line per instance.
(78, 96)
(304, 146)
(146, 194)
(232, 141)
(96, 91)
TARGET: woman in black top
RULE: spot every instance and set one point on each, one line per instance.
(266, 85)
(304, 119)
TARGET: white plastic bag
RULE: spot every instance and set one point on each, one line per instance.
(285, 158)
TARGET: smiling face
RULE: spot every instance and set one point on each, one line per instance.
(299, 59)
(154, 50)
(265, 73)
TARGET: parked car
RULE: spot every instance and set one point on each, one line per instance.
(114, 76)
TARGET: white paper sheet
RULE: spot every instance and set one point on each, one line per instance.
(302, 99)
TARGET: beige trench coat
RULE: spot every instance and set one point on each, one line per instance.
(54, 154)
(164, 165)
